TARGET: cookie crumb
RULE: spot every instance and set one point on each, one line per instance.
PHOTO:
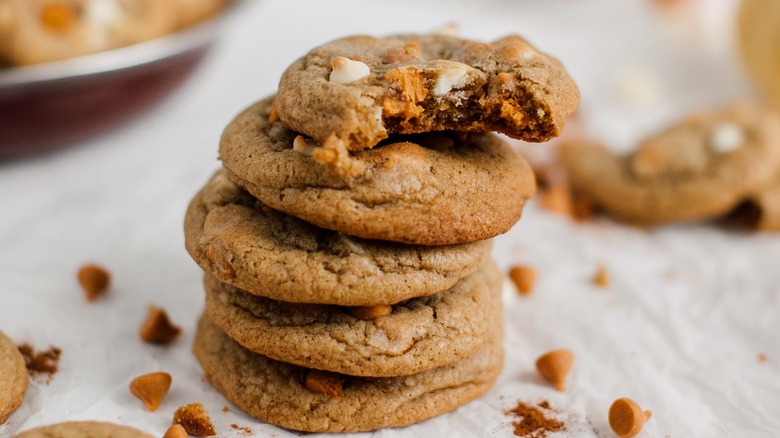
(41, 363)
(626, 418)
(601, 278)
(194, 419)
(761, 357)
(157, 328)
(151, 388)
(368, 313)
(524, 278)
(94, 280)
(325, 382)
(241, 428)
(533, 422)
(554, 366)
(225, 409)
(176, 431)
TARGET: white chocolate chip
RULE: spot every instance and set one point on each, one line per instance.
(105, 13)
(727, 137)
(449, 29)
(346, 70)
(304, 146)
(455, 75)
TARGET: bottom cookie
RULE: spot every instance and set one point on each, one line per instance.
(13, 378)
(274, 391)
(84, 429)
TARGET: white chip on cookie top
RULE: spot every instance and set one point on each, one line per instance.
(103, 12)
(304, 146)
(727, 137)
(454, 75)
(346, 70)
(449, 29)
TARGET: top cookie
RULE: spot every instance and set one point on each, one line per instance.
(698, 169)
(353, 92)
(13, 378)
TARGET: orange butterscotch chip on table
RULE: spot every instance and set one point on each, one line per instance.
(325, 382)
(554, 366)
(524, 278)
(195, 420)
(158, 328)
(601, 277)
(626, 418)
(176, 431)
(151, 388)
(94, 280)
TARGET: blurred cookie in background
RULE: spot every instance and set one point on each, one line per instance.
(759, 44)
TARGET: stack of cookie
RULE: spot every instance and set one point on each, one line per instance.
(346, 241)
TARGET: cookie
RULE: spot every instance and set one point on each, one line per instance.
(759, 43)
(273, 391)
(462, 188)
(240, 241)
(13, 378)
(701, 168)
(84, 429)
(419, 334)
(352, 93)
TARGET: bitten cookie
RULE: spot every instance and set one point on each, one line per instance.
(457, 189)
(84, 429)
(274, 391)
(240, 241)
(13, 378)
(698, 169)
(351, 93)
(419, 334)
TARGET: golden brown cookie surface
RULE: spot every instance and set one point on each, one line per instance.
(13, 378)
(84, 429)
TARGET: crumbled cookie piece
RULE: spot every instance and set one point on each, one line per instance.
(524, 278)
(151, 388)
(195, 420)
(554, 366)
(626, 418)
(94, 280)
(176, 431)
(367, 313)
(158, 328)
(325, 382)
(601, 277)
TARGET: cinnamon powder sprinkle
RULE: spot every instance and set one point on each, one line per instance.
(533, 422)
(41, 363)
(241, 428)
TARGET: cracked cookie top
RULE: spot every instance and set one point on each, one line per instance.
(241, 241)
(351, 93)
(428, 189)
(700, 168)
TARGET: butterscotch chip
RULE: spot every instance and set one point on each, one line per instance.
(151, 388)
(558, 199)
(601, 277)
(367, 313)
(325, 382)
(272, 116)
(626, 418)
(94, 280)
(194, 419)
(157, 328)
(524, 278)
(554, 366)
(58, 16)
(176, 431)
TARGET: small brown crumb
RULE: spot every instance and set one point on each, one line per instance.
(325, 382)
(43, 362)
(367, 313)
(626, 418)
(151, 388)
(157, 328)
(554, 366)
(176, 431)
(241, 428)
(194, 419)
(524, 278)
(761, 357)
(94, 280)
(601, 278)
(273, 117)
(533, 422)
(225, 409)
